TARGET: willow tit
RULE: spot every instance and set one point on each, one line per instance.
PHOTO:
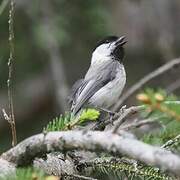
(105, 79)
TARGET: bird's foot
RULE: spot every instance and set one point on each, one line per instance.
(111, 113)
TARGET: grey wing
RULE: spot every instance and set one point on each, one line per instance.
(73, 93)
(89, 87)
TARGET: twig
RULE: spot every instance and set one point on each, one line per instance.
(137, 124)
(37, 145)
(125, 114)
(164, 68)
(10, 66)
(6, 117)
(171, 142)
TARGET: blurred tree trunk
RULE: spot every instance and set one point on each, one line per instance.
(51, 45)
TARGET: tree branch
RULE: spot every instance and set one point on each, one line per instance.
(109, 142)
(6, 168)
(164, 68)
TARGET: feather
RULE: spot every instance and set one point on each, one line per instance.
(95, 79)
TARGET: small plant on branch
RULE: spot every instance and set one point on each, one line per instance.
(69, 121)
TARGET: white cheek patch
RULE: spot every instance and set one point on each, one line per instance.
(104, 49)
(101, 54)
(99, 58)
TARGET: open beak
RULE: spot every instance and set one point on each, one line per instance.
(121, 41)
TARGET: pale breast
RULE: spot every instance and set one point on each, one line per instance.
(109, 94)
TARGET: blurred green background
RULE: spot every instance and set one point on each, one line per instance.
(53, 45)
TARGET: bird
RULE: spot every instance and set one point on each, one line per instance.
(105, 79)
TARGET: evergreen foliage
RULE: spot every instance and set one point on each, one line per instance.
(58, 123)
(126, 168)
(167, 114)
(69, 121)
